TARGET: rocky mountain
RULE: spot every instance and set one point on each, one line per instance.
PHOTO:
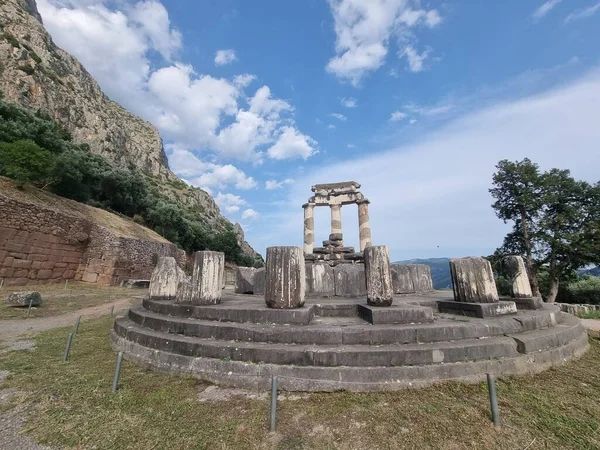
(440, 270)
(37, 74)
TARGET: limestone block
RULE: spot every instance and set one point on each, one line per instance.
(259, 281)
(184, 291)
(349, 280)
(402, 282)
(165, 278)
(378, 276)
(285, 277)
(421, 277)
(515, 267)
(207, 278)
(23, 298)
(473, 280)
(244, 280)
(319, 280)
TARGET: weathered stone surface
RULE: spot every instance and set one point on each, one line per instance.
(336, 237)
(421, 277)
(402, 282)
(207, 278)
(184, 291)
(23, 298)
(319, 280)
(527, 303)
(259, 281)
(285, 277)
(165, 278)
(378, 276)
(244, 280)
(395, 314)
(350, 280)
(135, 284)
(473, 280)
(481, 310)
(515, 267)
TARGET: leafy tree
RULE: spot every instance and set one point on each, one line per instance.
(556, 221)
(25, 162)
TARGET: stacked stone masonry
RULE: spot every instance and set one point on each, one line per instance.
(41, 245)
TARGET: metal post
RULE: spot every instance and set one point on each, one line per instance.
(493, 399)
(112, 311)
(77, 324)
(115, 384)
(30, 304)
(66, 284)
(68, 347)
(274, 383)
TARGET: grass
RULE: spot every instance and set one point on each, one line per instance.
(71, 406)
(58, 300)
(590, 315)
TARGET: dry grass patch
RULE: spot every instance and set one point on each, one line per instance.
(71, 406)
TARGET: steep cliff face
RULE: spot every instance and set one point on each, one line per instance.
(37, 74)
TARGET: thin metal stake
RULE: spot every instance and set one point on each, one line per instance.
(68, 347)
(112, 311)
(77, 324)
(493, 399)
(30, 304)
(115, 384)
(274, 383)
(66, 284)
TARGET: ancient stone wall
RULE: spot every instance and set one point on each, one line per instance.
(43, 245)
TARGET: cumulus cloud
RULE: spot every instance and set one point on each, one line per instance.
(583, 13)
(230, 202)
(397, 116)
(250, 214)
(223, 57)
(292, 144)
(415, 59)
(363, 31)
(545, 8)
(274, 184)
(349, 102)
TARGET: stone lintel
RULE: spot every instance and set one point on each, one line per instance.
(347, 198)
(395, 314)
(481, 310)
(309, 204)
(352, 185)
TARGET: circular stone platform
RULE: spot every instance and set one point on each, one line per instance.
(334, 344)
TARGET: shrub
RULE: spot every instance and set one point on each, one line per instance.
(25, 161)
(584, 291)
(11, 39)
(27, 69)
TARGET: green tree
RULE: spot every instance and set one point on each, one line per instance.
(25, 162)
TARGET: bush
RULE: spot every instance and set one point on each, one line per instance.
(584, 291)
(25, 162)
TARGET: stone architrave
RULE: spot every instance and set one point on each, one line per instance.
(378, 275)
(309, 227)
(319, 280)
(520, 287)
(207, 279)
(473, 280)
(285, 278)
(244, 280)
(349, 280)
(259, 281)
(402, 282)
(421, 277)
(24, 298)
(364, 225)
(165, 278)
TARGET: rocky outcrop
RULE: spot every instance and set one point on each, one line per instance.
(37, 74)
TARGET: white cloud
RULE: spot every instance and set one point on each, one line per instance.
(445, 206)
(339, 116)
(331, 126)
(415, 59)
(397, 116)
(250, 214)
(412, 121)
(349, 102)
(429, 111)
(243, 80)
(153, 19)
(230, 202)
(583, 13)
(292, 144)
(364, 28)
(545, 8)
(274, 184)
(221, 176)
(351, 146)
(223, 57)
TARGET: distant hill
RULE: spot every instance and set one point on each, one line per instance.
(594, 271)
(440, 270)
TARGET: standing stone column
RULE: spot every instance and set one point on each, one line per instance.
(379, 277)
(364, 226)
(520, 287)
(473, 280)
(285, 277)
(165, 278)
(309, 227)
(207, 278)
(336, 220)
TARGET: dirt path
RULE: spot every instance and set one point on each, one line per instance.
(10, 329)
(591, 324)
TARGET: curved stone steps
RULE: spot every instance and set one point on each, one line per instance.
(440, 331)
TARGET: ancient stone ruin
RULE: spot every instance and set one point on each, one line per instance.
(321, 322)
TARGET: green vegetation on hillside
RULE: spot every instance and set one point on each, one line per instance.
(35, 149)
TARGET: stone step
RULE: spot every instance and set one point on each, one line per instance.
(315, 355)
(539, 340)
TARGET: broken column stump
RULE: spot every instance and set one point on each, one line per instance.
(165, 278)
(378, 275)
(519, 281)
(285, 277)
(473, 280)
(259, 281)
(207, 278)
(244, 280)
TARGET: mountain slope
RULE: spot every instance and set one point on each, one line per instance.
(37, 74)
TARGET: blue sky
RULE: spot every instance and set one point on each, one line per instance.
(417, 101)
